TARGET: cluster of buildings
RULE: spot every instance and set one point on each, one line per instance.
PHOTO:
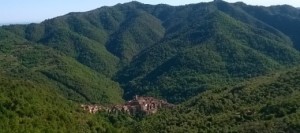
(138, 105)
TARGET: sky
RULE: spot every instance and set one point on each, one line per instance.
(27, 11)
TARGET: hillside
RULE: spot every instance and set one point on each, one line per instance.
(194, 56)
(264, 104)
(221, 46)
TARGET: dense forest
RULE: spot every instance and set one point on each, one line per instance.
(229, 67)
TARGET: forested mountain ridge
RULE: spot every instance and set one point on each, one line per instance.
(178, 61)
(264, 104)
(178, 53)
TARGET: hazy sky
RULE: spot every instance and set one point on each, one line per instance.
(24, 11)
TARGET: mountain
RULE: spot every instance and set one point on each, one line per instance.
(179, 53)
(264, 104)
(205, 46)
(273, 15)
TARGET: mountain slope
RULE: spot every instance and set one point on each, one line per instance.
(264, 104)
(213, 48)
(273, 16)
(27, 106)
(185, 54)
(157, 50)
(40, 90)
(71, 78)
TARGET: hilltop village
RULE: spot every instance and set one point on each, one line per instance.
(138, 105)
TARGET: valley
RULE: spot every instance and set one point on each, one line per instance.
(215, 66)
